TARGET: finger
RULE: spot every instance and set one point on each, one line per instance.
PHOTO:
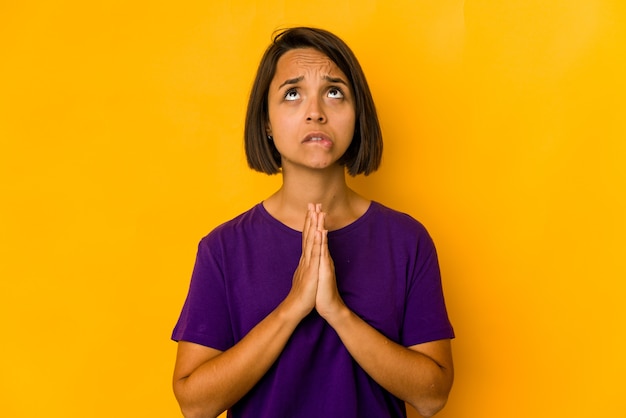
(316, 248)
(320, 221)
(307, 225)
(324, 253)
(309, 236)
(327, 268)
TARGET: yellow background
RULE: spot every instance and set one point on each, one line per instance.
(121, 146)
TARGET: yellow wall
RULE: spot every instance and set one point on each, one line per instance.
(120, 130)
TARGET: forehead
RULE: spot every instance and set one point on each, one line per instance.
(301, 61)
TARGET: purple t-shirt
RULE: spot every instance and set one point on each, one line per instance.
(387, 273)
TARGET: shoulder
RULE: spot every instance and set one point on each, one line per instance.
(243, 220)
(243, 223)
(400, 229)
(397, 220)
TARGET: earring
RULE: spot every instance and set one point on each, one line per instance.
(270, 138)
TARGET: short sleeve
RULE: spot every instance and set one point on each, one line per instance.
(205, 317)
(425, 317)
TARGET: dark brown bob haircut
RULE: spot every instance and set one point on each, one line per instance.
(365, 151)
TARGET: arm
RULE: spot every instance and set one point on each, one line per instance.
(207, 381)
(421, 375)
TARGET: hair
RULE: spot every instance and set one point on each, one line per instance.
(365, 151)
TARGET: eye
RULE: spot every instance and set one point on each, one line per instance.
(335, 93)
(292, 94)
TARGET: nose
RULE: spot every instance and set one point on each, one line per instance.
(315, 111)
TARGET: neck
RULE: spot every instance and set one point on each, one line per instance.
(327, 187)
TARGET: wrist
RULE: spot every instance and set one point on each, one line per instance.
(337, 315)
(292, 309)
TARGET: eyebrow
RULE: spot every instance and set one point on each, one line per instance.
(326, 77)
(335, 80)
(291, 81)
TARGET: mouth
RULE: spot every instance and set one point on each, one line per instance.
(317, 137)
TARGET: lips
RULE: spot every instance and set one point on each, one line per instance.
(317, 137)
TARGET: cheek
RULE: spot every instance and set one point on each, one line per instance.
(279, 119)
(349, 125)
(283, 131)
(282, 126)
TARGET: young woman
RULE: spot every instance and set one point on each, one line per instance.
(316, 302)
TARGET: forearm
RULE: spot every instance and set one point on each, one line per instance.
(410, 375)
(222, 380)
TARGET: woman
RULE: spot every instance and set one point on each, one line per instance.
(316, 302)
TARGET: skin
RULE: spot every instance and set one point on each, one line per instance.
(309, 96)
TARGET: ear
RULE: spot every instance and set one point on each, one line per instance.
(268, 132)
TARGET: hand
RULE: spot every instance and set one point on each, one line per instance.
(328, 301)
(305, 279)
